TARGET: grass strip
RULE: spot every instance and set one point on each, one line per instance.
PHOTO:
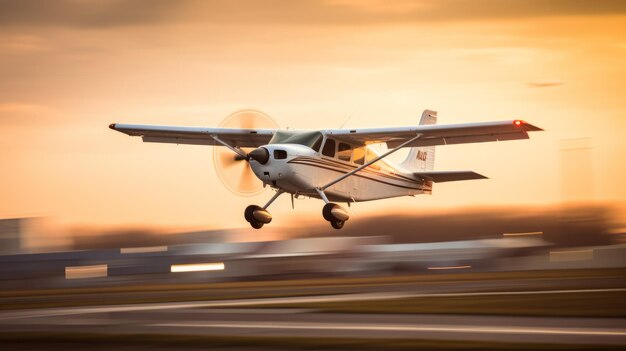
(334, 281)
(579, 304)
(148, 300)
(110, 341)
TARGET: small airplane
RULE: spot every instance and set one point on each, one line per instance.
(337, 165)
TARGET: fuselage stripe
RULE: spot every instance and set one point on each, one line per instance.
(348, 168)
(313, 164)
(351, 167)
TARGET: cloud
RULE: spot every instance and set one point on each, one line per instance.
(111, 13)
(77, 13)
(19, 113)
(22, 43)
(546, 84)
(17, 107)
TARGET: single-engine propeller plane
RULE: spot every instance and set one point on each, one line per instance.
(334, 165)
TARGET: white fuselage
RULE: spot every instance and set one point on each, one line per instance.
(299, 170)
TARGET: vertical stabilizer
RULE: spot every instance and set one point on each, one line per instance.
(422, 159)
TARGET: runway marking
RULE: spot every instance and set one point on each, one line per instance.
(83, 272)
(197, 267)
(145, 249)
(571, 255)
(449, 267)
(522, 234)
(401, 327)
(48, 312)
(533, 292)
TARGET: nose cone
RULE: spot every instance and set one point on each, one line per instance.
(261, 155)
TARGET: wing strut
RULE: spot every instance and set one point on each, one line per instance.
(232, 148)
(322, 188)
(278, 193)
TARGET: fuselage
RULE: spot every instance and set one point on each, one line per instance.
(308, 163)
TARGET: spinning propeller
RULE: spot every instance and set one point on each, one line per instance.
(233, 169)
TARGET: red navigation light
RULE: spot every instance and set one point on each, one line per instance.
(517, 122)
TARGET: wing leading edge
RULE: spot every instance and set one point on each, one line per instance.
(430, 135)
(196, 135)
(438, 134)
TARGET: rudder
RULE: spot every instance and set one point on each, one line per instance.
(422, 158)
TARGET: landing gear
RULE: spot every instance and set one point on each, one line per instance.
(258, 216)
(337, 224)
(335, 214)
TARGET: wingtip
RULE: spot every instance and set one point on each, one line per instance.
(112, 126)
(526, 126)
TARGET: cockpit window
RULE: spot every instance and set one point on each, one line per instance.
(344, 152)
(310, 139)
(359, 155)
(317, 144)
(329, 148)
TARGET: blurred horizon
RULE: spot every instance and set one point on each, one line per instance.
(71, 68)
(566, 225)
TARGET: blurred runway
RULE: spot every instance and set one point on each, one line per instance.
(246, 317)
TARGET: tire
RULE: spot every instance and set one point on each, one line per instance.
(248, 213)
(256, 225)
(337, 224)
(326, 211)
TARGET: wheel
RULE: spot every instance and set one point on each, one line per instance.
(256, 224)
(337, 224)
(249, 213)
(326, 211)
(249, 216)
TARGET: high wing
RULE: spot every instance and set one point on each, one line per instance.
(437, 134)
(197, 136)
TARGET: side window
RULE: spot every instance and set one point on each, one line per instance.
(359, 155)
(280, 154)
(329, 148)
(344, 151)
(370, 156)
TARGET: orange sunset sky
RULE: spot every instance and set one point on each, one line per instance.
(69, 68)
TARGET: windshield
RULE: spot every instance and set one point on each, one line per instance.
(310, 139)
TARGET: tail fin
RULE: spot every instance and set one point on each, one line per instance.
(422, 158)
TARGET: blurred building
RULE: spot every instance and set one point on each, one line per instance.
(11, 235)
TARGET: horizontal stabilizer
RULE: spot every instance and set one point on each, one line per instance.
(448, 176)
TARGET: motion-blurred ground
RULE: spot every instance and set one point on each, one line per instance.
(472, 280)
